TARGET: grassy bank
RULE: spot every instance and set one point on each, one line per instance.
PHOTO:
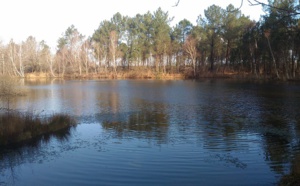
(16, 127)
(150, 74)
(132, 74)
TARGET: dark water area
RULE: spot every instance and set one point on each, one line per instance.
(151, 132)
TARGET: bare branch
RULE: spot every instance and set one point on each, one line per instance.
(257, 2)
(242, 2)
(176, 3)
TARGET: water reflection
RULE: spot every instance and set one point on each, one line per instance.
(231, 117)
(149, 122)
(109, 102)
(232, 124)
(32, 151)
(278, 123)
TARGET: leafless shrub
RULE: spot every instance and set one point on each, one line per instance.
(10, 87)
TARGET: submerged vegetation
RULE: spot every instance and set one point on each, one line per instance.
(224, 42)
(16, 127)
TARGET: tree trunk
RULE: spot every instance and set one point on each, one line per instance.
(293, 66)
(86, 61)
(194, 66)
(157, 63)
(21, 67)
(273, 59)
(51, 66)
(227, 56)
(212, 54)
(2, 64)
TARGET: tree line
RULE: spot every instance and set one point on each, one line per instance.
(224, 41)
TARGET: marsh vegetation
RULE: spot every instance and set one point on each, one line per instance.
(16, 126)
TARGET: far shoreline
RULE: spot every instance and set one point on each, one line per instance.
(158, 76)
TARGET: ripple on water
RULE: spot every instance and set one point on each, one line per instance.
(163, 133)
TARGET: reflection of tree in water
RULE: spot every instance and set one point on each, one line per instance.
(224, 121)
(276, 136)
(109, 102)
(30, 151)
(268, 110)
(142, 124)
(293, 178)
(222, 117)
(150, 122)
(276, 151)
(277, 123)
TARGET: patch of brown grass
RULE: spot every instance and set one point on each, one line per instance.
(16, 127)
(36, 75)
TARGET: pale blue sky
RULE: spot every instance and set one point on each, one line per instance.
(48, 19)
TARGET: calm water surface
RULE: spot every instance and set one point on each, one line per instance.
(148, 132)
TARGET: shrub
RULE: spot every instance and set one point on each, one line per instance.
(9, 88)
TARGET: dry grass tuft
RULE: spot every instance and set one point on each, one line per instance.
(16, 127)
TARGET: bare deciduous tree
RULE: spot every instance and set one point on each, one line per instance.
(2, 57)
(113, 48)
(191, 49)
(15, 56)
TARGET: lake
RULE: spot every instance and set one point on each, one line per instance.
(157, 132)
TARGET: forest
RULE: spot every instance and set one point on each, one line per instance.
(224, 42)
